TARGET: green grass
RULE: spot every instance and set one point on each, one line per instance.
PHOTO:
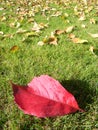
(72, 64)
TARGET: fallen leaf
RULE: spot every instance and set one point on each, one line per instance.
(18, 24)
(1, 33)
(30, 34)
(30, 20)
(85, 2)
(14, 48)
(50, 40)
(38, 27)
(92, 21)
(3, 18)
(82, 17)
(59, 32)
(40, 43)
(44, 97)
(69, 29)
(20, 31)
(71, 36)
(94, 50)
(93, 35)
(83, 26)
(78, 40)
(56, 14)
(1, 8)
(8, 36)
(12, 24)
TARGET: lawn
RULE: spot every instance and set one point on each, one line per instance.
(71, 57)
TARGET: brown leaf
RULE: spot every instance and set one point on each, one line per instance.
(59, 32)
(14, 48)
(51, 40)
(71, 36)
(78, 40)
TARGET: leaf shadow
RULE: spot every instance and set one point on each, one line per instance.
(28, 40)
(81, 91)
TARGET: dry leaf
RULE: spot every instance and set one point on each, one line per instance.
(83, 26)
(36, 27)
(59, 32)
(1, 8)
(12, 24)
(71, 36)
(78, 40)
(8, 36)
(30, 20)
(51, 40)
(82, 17)
(14, 48)
(93, 35)
(1, 33)
(40, 43)
(93, 50)
(20, 31)
(3, 18)
(85, 2)
(69, 29)
(17, 25)
(56, 14)
(92, 21)
(30, 34)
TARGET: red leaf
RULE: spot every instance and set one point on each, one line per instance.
(44, 97)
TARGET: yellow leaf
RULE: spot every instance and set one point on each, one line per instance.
(30, 34)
